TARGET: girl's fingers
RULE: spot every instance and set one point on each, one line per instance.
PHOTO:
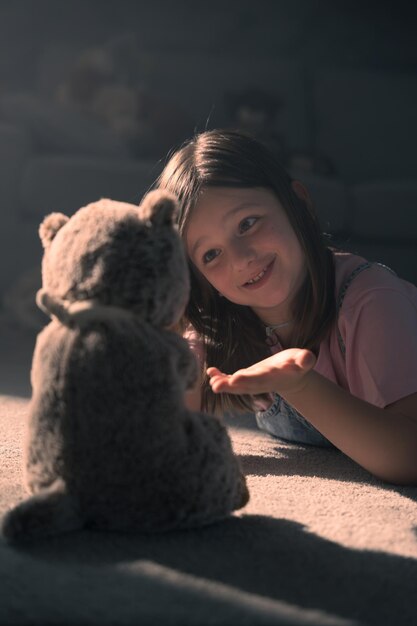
(213, 371)
(229, 384)
(223, 385)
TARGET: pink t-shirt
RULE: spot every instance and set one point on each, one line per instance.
(378, 325)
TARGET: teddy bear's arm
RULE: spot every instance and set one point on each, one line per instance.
(212, 457)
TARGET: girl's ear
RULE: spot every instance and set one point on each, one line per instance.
(50, 226)
(159, 207)
(302, 193)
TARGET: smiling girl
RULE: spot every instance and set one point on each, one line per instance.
(321, 345)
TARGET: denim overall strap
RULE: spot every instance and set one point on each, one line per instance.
(342, 294)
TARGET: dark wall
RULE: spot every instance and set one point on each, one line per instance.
(379, 35)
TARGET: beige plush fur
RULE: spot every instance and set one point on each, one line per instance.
(109, 442)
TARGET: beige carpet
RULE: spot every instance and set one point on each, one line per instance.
(321, 542)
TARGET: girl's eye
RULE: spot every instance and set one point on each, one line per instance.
(210, 255)
(247, 223)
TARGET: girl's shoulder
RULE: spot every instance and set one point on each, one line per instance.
(373, 346)
(357, 280)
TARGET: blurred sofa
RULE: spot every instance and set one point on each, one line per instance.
(363, 121)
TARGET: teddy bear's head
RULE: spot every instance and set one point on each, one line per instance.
(120, 255)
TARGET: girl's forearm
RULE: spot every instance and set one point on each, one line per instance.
(380, 440)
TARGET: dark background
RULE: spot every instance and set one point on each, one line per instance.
(344, 75)
(371, 34)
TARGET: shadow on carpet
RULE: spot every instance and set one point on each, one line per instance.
(235, 564)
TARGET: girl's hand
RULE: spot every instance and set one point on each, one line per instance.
(283, 372)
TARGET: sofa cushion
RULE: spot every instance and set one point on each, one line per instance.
(67, 183)
(55, 128)
(15, 148)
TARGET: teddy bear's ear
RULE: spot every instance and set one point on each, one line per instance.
(160, 207)
(50, 226)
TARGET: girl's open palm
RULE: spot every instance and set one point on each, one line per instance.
(282, 372)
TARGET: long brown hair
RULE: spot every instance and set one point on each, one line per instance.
(232, 335)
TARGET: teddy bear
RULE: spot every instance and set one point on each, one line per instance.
(109, 443)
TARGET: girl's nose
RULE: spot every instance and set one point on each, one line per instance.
(242, 254)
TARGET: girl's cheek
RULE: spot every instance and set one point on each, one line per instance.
(208, 271)
(212, 274)
(216, 275)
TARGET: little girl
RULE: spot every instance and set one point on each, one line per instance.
(320, 344)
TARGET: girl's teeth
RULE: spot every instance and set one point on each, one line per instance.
(258, 277)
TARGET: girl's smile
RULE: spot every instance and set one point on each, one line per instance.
(260, 279)
(242, 242)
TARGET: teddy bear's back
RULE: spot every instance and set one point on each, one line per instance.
(101, 398)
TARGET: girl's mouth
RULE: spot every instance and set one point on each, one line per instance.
(260, 279)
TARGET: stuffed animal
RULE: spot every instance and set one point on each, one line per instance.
(110, 85)
(110, 444)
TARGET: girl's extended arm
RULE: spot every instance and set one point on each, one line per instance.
(383, 441)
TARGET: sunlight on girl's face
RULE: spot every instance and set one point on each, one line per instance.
(243, 243)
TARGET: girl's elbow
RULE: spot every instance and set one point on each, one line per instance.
(400, 474)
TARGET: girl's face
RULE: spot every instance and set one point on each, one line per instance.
(243, 243)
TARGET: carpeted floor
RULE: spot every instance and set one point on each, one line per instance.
(320, 542)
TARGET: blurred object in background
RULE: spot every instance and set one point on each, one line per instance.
(300, 163)
(101, 106)
(256, 111)
(103, 84)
